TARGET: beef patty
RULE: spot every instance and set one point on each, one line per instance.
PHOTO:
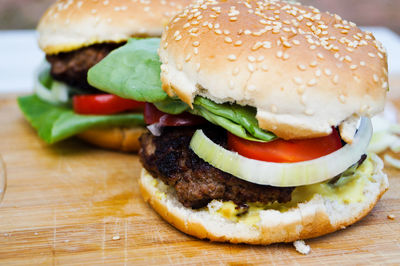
(169, 158)
(72, 67)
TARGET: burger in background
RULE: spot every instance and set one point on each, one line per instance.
(76, 35)
(262, 137)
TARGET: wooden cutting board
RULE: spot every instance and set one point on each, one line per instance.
(72, 203)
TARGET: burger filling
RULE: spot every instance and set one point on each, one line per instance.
(169, 158)
(64, 104)
(72, 67)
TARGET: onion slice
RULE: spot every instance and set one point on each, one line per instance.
(284, 174)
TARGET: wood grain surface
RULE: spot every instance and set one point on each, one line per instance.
(71, 203)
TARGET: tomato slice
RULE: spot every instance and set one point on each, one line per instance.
(152, 115)
(286, 151)
(103, 104)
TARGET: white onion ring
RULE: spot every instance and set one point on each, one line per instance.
(57, 94)
(284, 174)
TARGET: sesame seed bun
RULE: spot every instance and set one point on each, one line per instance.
(316, 217)
(305, 71)
(69, 25)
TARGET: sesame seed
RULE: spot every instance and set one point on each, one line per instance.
(375, 77)
(353, 67)
(391, 216)
(177, 38)
(318, 73)
(238, 43)
(198, 67)
(187, 58)
(228, 40)
(327, 72)
(251, 58)
(196, 43)
(267, 44)
(226, 32)
(385, 85)
(260, 58)
(347, 58)
(335, 79)
(296, 42)
(287, 44)
(313, 63)
(298, 80)
(302, 67)
(196, 50)
(231, 57)
(256, 46)
(285, 56)
(250, 67)
(279, 54)
(362, 63)
(320, 56)
(312, 82)
(371, 55)
(187, 25)
(251, 87)
(219, 32)
(264, 68)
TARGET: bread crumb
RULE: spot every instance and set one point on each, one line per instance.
(301, 247)
(116, 238)
(391, 216)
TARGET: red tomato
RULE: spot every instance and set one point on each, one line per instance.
(103, 104)
(153, 115)
(286, 151)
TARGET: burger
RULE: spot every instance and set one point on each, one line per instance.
(260, 124)
(76, 35)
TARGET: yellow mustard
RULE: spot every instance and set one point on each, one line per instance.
(348, 189)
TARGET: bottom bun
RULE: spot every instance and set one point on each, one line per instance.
(316, 217)
(115, 138)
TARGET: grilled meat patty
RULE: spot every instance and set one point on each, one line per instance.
(169, 158)
(72, 67)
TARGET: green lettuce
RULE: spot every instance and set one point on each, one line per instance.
(133, 71)
(235, 116)
(55, 123)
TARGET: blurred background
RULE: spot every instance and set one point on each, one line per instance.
(20, 54)
(24, 14)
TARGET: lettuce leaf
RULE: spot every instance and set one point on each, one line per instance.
(131, 71)
(55, 123)
(243, 116)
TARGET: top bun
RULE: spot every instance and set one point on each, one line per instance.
(305, 71)
(69, 25)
